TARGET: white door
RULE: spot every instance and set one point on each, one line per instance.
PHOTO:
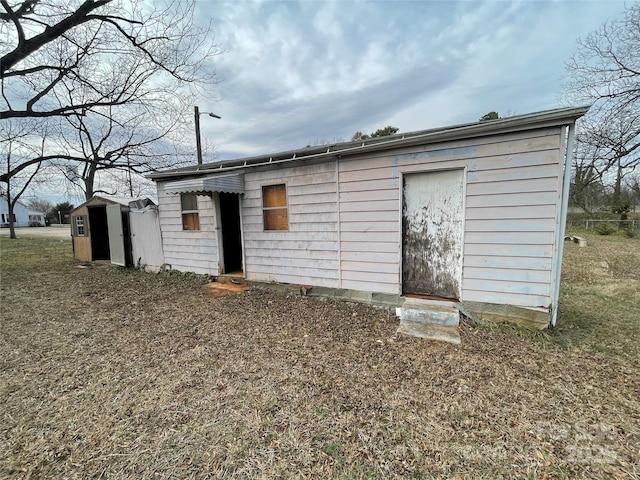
(116, 235)
(146, 240)
(432, 225)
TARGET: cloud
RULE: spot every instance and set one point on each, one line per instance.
(296, 72)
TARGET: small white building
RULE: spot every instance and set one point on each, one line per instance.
(37, 219)
(471, 213)
(20, 214)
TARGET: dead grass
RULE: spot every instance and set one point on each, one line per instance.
(113, 373)
(600, 296)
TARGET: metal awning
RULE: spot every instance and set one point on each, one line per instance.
(233, 183)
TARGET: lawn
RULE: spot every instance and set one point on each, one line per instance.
(114, 373)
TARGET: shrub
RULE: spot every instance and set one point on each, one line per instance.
(604, 229)
(627, 232)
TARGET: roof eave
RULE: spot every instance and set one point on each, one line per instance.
(548, 118)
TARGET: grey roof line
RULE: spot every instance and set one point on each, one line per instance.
(502, 125)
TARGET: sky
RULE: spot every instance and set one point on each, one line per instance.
(300, 73)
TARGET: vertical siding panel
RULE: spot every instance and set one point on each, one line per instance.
(188, 251)
(312, 238)
(347, 213)
(370, 199)
(511, 193)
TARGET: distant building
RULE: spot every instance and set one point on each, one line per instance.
(20, 213)
(37, 219)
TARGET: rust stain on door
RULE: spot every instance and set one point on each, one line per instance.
(432, 222)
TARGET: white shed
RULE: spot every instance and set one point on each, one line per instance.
(473, 214)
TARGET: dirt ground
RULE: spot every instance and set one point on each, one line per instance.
(114, 373)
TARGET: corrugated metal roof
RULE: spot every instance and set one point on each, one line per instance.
(111, 199)
(121, 200)
(529, 121)
(233, 183)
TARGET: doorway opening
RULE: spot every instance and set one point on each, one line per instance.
(99, 233)
(231, 234)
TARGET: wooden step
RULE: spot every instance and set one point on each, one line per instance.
(237, 279)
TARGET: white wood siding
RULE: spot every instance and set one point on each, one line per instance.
(188, 251)
(510, 215)
(308, 252)
(345, 224)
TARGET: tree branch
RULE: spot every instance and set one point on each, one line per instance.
(5, 177)
(28, 46)
(26, 7)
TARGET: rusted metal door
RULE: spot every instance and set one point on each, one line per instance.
(432, 224)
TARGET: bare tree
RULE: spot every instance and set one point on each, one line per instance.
(633, 185)
(115, 79)
(613, 144)
(15, 148)
(586, 182)
(40, 205)
(124, 140)
(605, 71)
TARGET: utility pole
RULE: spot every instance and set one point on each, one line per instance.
(196, 114)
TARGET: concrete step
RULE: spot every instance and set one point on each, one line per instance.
(430, 331)
(428, 319)
(433, 313)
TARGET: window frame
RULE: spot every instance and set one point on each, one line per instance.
(190, 213)
(274, 208)
(80, 221)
